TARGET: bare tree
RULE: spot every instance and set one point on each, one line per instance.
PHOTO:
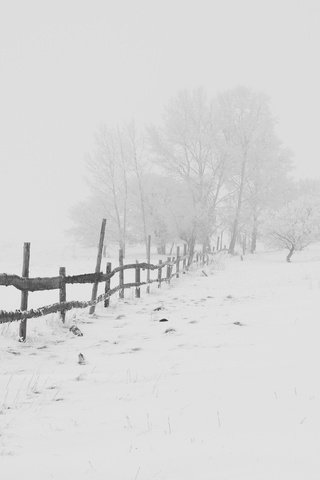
(294, 226)
(267, 183)
(185, 148)
(245, 121)
(109, 178)
(138, 165)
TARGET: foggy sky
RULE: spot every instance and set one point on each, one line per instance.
(66, 66)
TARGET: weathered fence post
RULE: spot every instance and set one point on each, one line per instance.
(107, 284)
(168, 270)
(24, 294)
(184, 257)
(137, 279)
(98, 265)
(159, 274)
(218, 243)
(62, 292)
(178, 262)
(121, 274)
(221, 238)
(148, 261)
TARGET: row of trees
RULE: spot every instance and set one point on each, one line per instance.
(211, 166)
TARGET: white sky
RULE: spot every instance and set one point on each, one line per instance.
(66, 66)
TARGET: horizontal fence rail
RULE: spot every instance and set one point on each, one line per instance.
(53, 283)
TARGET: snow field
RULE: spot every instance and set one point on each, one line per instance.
(232, 392)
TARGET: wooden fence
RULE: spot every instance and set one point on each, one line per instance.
(173, 266)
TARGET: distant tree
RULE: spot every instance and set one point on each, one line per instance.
(160, 199)
(138, 164)
(86, 217)
(185, 149)
(108, 181)
(294, 226)
(245, 122)
(268, 183)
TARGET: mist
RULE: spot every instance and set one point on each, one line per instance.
(67, 67)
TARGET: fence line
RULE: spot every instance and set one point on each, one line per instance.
(8, 317)
(27, 284)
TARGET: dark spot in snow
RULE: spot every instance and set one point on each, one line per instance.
(170, 330)
(229, 296)
(157, 309)
(76, 331)
(119, 317)
(81, 359)
(135, 349)
(163, 320)
(239, 324)
(193, 321)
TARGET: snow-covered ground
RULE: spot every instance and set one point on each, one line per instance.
(227, 389)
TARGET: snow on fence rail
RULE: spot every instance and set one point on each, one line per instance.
(26, 284)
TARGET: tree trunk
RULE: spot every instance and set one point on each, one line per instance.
(137, 168)
(206, 245)
(254, 235)
(290, 254)
(238, 211)
(234, 233)
(244, 244)
(191, 244)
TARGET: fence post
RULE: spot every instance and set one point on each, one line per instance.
(62, 292)
(159, 274)
(218, 243)
(107, 285)
(24, 294)
(178, 262)
(137, 279)
(148, 261)
(168, 270)
(184, 256)
(98, 265)
(121, 274)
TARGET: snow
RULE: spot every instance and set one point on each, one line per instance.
(231, 392)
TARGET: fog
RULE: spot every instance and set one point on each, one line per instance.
(68, 66)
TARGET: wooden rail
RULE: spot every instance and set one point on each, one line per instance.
(53, 283)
